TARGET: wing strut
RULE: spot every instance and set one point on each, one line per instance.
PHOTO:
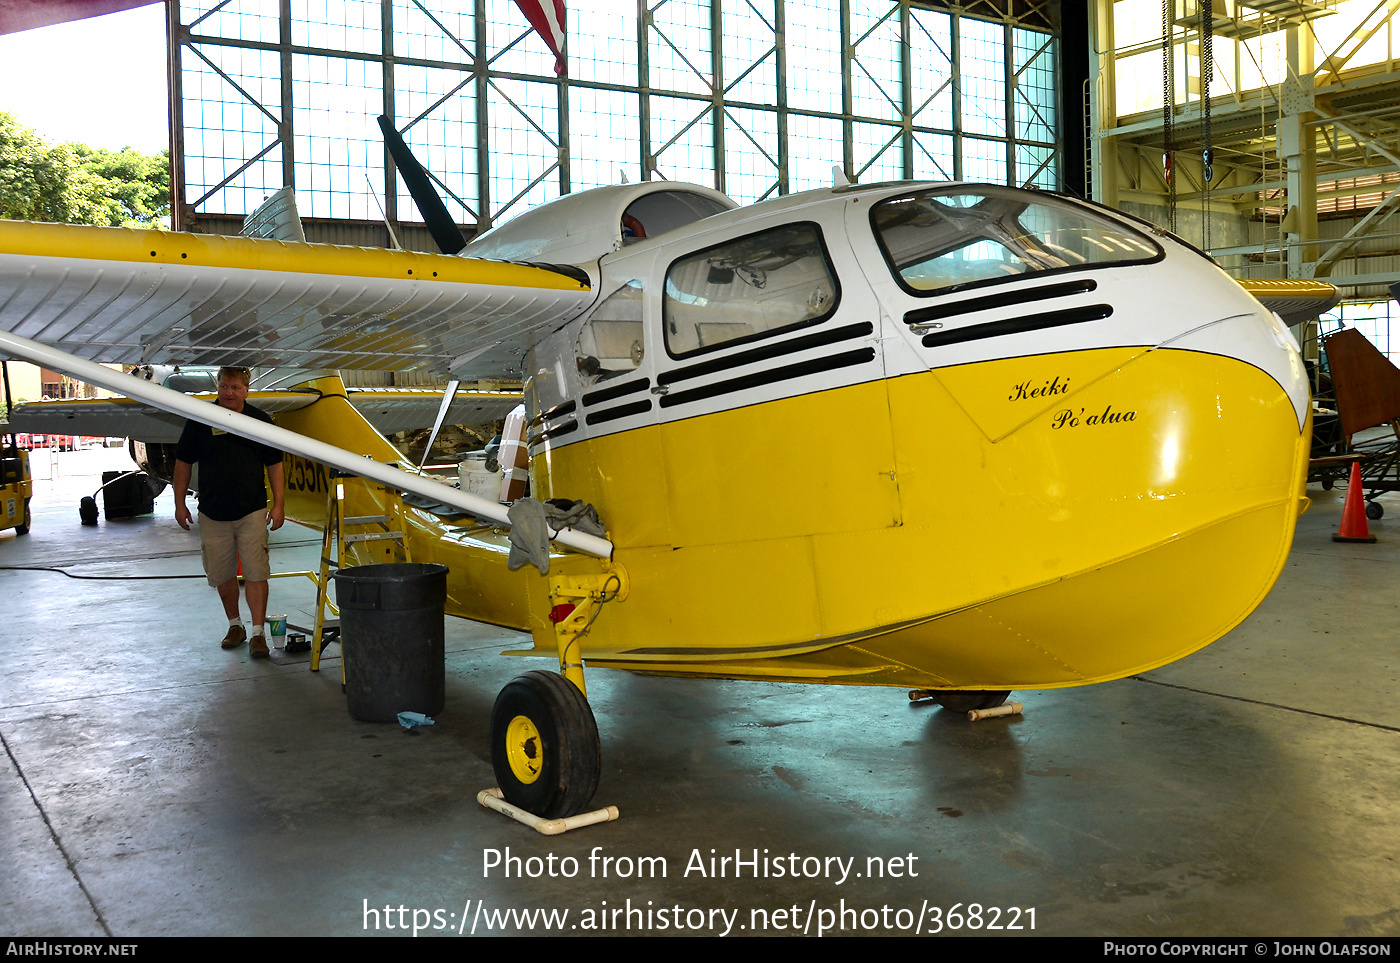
(447, 397)
(167, 399)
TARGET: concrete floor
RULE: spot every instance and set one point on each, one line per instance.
(155, 785)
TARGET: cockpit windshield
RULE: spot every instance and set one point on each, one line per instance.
(946, 238)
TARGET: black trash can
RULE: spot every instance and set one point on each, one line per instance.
(391, 636)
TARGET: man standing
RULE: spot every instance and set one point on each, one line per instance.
(233, 513)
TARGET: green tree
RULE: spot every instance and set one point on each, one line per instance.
(35, 180)
(77, 184)
(132, 188)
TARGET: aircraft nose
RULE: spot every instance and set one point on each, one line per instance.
(1257, 338)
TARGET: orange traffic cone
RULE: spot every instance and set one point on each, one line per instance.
(1354, 527)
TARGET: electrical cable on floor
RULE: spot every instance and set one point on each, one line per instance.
(92, 578)
(137, 558)
(53, 835)
(1271, 705)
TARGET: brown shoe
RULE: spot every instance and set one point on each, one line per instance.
(257, 647)
(236, 637)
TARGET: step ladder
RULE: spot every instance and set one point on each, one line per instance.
(344, 531)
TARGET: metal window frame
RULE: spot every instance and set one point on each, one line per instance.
(481, 72)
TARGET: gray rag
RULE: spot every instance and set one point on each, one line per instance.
(532, 522)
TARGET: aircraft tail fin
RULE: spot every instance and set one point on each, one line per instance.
(1366, 381)
(335, 421)
(275, 218)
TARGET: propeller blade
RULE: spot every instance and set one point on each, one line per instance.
(440, 223)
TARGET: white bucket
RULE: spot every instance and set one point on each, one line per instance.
(476, 480)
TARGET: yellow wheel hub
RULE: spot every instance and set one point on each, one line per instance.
(524, 749)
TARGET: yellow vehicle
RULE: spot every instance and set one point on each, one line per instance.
(16, 486)
(954, 437)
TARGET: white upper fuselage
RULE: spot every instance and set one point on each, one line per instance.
(580, 228)
(693, 322)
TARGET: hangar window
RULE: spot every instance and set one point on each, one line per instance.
(747, 289)
(935, 241)
(610, 342)
(714, 92)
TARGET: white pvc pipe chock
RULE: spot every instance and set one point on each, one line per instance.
(1009, 709)
(494, 799)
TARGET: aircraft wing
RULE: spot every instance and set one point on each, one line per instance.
(128, 418)
(403, 409)
(388, 409)
(1293, 300)
(142, 296)
(117, 417)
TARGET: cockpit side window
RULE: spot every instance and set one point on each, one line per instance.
(611, 341)
(192, 381)
(748, 288)
(938, 241)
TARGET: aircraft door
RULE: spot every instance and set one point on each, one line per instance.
(595, 437)
(772, 398)
(896, 348)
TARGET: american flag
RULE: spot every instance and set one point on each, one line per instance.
(547, 17)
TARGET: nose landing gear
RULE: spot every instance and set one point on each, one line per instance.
(544, 740)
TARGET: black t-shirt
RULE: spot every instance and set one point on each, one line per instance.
(230, 468)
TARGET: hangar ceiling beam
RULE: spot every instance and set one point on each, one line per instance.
(1374, 22)
(1297, 148)
(1302, 128)
(1376, 216)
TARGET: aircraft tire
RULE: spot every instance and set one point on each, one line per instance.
(1374, 510)
(966, 700)
(23, 528)
(544, 745)
(87, 510)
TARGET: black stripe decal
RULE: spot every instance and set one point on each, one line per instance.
(758, 378)
(1034, 322)
(615, 391)
(774, 350)
(554, 412)
(564, 429)
(621, 411)
(1023, 296)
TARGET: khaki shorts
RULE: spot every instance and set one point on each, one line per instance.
(224, 543)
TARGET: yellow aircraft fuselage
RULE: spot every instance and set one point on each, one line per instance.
(1110, 533)
(1114, 531)
(1103, 482)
